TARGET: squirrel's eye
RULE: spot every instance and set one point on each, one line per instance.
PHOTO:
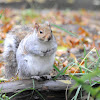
(41, 32)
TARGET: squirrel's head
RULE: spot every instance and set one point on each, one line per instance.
(43, 31)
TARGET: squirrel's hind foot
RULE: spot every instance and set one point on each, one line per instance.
(46, 77)
(43, 77)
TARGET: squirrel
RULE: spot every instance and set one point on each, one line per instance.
(29, 51)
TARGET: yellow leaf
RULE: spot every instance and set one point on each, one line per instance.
(65, 81)
(73, 56)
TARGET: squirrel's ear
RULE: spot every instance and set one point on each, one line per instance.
(36, 26)
(47, 23)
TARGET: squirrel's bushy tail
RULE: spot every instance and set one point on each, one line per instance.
(10, 47)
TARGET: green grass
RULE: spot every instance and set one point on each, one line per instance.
(95, 92)
(62, 71)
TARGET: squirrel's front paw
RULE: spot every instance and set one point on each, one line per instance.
(47, 77)
(36, 77)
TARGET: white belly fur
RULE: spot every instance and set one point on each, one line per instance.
(40, 65)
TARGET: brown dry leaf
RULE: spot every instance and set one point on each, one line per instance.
(65, 63)
(6, 27)
(72, 41)
(73, 70)
(74, 57)
(1, 49)
(60, 42)
(1, 11)
(11, 79)
(56, 63)
(82, 63)
(95, 37)
(83, 32)
(77, 18)
(1, 64)
(99, 46)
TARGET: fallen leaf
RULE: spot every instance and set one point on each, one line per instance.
(65, 81)
(74, 57)
(65, 63)
(6, 27)
(1, 49)
(83, 32)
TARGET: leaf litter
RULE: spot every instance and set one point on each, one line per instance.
(84, 26)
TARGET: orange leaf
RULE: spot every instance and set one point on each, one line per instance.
(82, 63)
(75, 70)
(6, 27)
(83, 32)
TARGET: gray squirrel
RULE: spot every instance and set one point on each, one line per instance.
(29, 51)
